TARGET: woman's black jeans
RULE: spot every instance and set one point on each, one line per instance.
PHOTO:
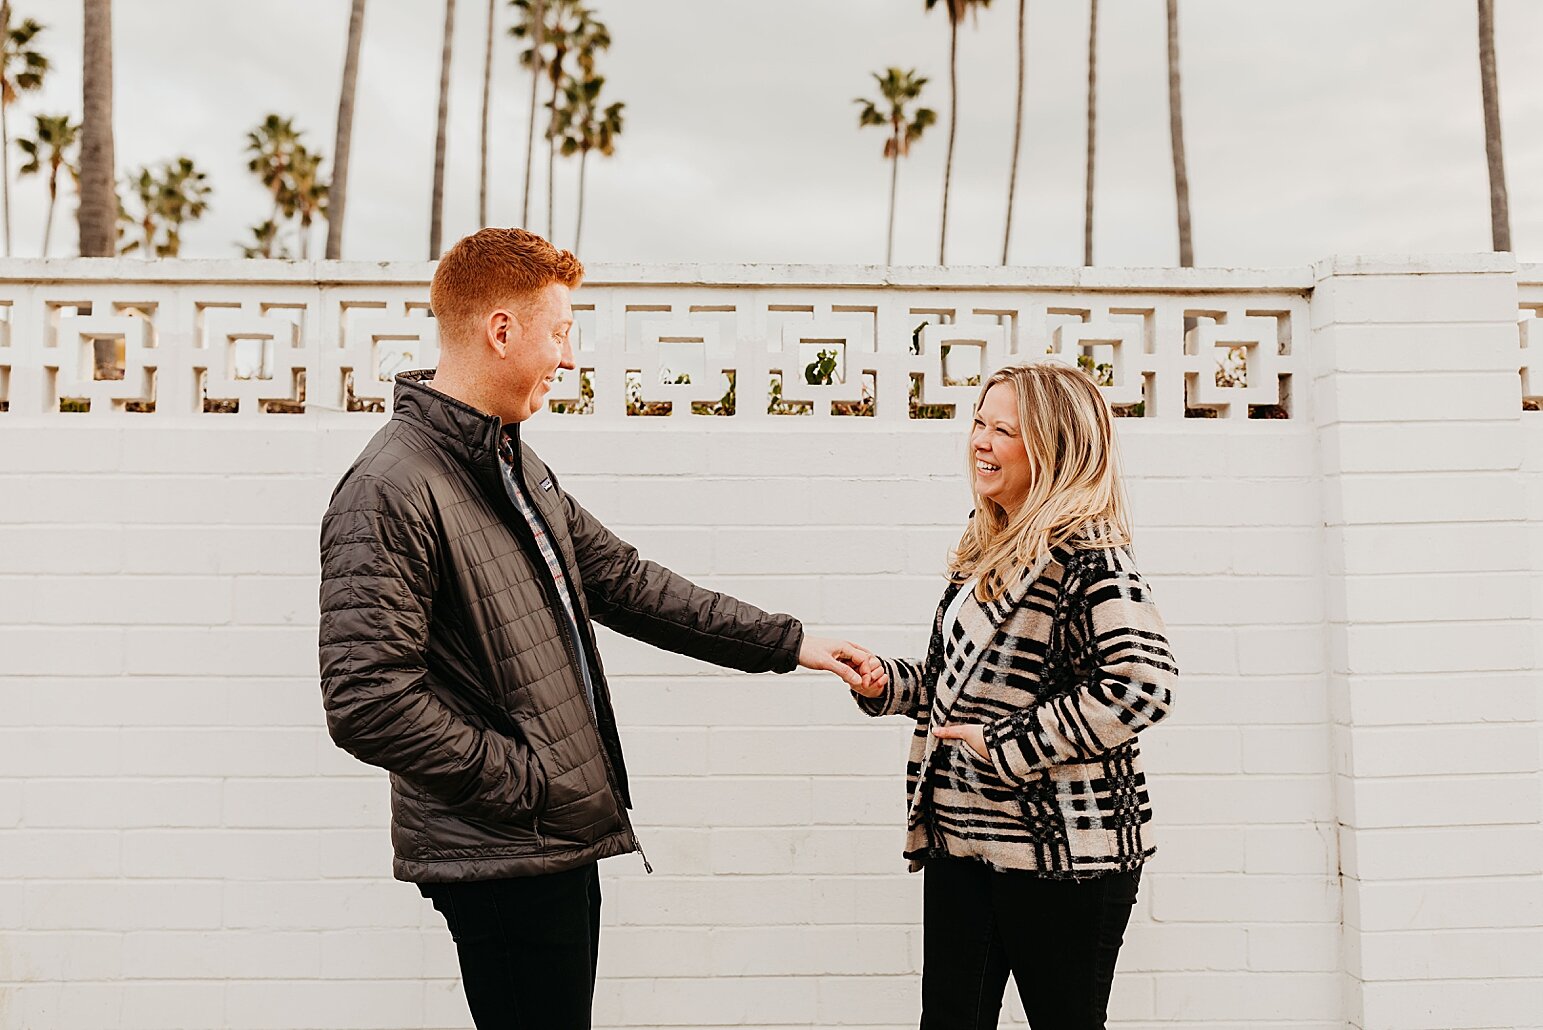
(1058, 938)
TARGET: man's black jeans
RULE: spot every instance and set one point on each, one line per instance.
(527, 946)
(1058, 938)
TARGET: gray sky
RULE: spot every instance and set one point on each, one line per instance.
(1313, 126)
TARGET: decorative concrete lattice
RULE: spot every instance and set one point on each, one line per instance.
(214, 338)
(1530, 332)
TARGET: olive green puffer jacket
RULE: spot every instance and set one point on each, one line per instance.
(445, 658)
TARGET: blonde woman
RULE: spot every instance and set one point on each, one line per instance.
(1028, 805)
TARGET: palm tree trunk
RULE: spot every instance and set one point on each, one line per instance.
(1087, 202)
(578, 230)
(487, 89)
(98, 214)
(53, 195)
(5, 172)
(305, 238)
(1012, 175)
(953, 125)
(1176, 131)
(1499, 203)
(538, 40)
(551, 155)
(338, 194)
(894, 182)
(437, 213)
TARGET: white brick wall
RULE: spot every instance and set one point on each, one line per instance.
(1347, 796)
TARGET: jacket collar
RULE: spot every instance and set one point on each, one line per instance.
(468, 434)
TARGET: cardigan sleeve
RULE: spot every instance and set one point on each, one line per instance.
(1129, 688)
(907, 692)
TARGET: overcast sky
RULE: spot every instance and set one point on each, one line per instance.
(1313, 126)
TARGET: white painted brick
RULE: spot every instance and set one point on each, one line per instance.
(63, 448)
(1454, 1005)
(366, 1005)
(879, 600)
(1353, 299)
(858, 800)
(1224, 800)
(1194, 749)
(688, 801)
(1282, 650)
(1423, 700)
(1433, 801)
(275, 601)
(222, 855)
(1262, 700)
(1456, 647)
(1203, 651)
(1421, 447)
(125, 803)
(812, 951)
(828, 551)
(853, 1001)
(729, 699)
(711, 1001)
(1280, 600)
(1175, 947)
(322, 803)
(1248, 996)
(230, 752)
(1294, 948)
(61, 550)
(1311, 849)
(193, 651)
(1222, 503)
(305, 905)
(1362, 550)
(1432, 853)
(1426, 597)
(1173, 551)
(1485, 903)
(862, 749)
(262, 550)
(1251, 899)
(1476, 497)
(1286, 749)
(190, 955)
(1450, 955)
(355, 854)
(50, 955)
(61, 651)
(1276, 551)
(119, 905)
(1416, 348)
(1199, 849)
(1391, 397)
(60, 854)
(76, 751)
(1448, 750)
(894, 898)
(10, 803)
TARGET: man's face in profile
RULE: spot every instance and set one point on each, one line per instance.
(538, 347)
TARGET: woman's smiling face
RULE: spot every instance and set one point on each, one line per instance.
(1000, 461)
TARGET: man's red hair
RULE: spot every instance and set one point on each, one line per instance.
(493, 268)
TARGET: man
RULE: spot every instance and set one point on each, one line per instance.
(458, 583)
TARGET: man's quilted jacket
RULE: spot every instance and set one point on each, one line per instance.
(445, 658)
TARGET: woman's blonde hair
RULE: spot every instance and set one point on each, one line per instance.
(1075, 494)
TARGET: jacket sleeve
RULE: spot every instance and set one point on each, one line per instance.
(907, 692)
(378, 575)
(649, 602)
(1129, 688)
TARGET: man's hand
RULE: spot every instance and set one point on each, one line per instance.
(842, 657)
(972, 733)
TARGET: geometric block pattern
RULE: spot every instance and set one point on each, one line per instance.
(246, 336)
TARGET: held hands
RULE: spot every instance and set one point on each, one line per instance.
(972, 733)
(852, 663)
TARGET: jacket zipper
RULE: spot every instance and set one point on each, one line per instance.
(571, 646)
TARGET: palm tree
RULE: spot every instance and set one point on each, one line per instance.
(273, 146)
(21, 70)
(184, 197)
(1087, 196)
(585, 35)
(1012, 174)
(308, 195)
(1176, 131)
(530, 23)
(487, 89)
(898, 88)
(1499, 203)
(588, 127)
(265, 241)
(343, 144)
(98, 217)
(437, 203)
(956, 12)
(167, 197)
(51, 148)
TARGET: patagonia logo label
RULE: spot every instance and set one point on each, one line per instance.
(546, 484)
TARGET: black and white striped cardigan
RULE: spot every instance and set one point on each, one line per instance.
(1063, 671)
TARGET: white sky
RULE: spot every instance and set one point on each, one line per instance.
(1313, 126)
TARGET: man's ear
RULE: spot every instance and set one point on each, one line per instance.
(502, 331)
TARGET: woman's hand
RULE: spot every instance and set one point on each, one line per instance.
(874, 680)
(972, 733)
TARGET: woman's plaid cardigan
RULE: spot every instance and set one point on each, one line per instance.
(1063, 671)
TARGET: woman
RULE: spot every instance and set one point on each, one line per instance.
(1027, 799)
